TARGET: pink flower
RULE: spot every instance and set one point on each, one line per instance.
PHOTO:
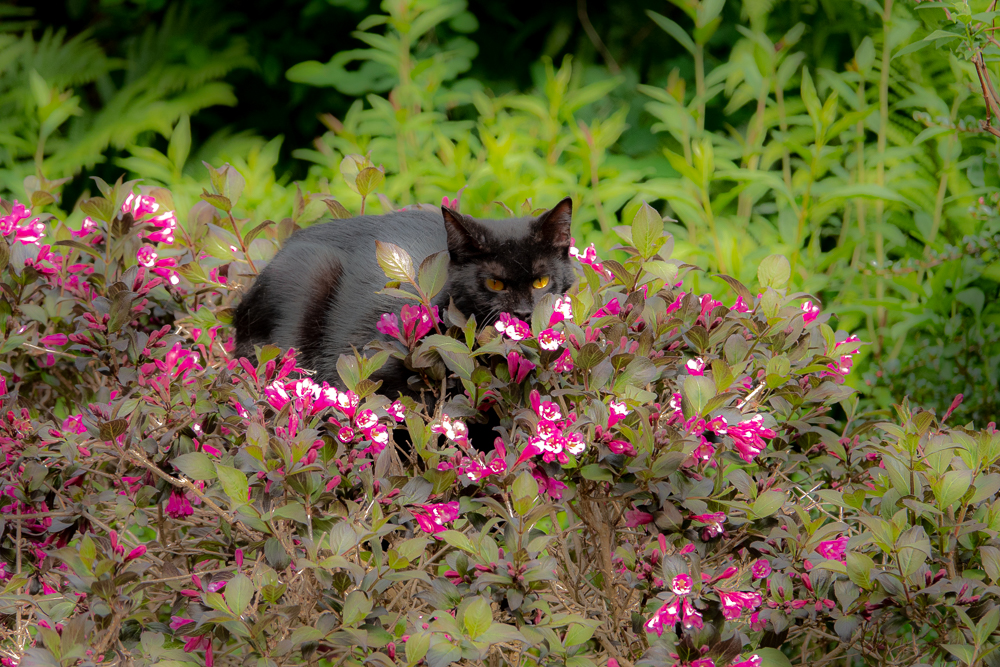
(550, 339)
(809, 311)
(456, 430)
(518, 366)
(748, 437)
(564, 363)
(418, 321)
(589, 256)
(703, 662)
(512, 327)
(136, 553)
(546, 410)
(740, 306)
(691, 618)
(708, 304)
(561, 310)
(617, 410)
(752, 661)
(682, 584)
(665, 617)
(388, 324)
(86, 227)
(761, 568)
(713, 523)
(178, 505)
(178, 622)
(396, 411)
(833, 549)
(146, 256)
(696, 366)
(433, 517)
(54, 339)
(735, 602)
(165, 224)
(622, 447)
(140, 206)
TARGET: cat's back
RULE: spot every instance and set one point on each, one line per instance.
(318, 294)
(419, 232)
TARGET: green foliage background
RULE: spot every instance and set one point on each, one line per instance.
(807, 127)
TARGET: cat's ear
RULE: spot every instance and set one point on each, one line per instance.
(465, 237)
(553, 227)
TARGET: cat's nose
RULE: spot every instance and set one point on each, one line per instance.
(523, 315)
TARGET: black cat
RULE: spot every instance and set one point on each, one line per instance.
(318, 294)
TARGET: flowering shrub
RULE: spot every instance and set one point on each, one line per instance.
(673, 479)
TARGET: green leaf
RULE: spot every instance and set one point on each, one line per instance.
(395, 262)
(772, 657)
(864, 191)
(478, 617)
(218, 201)
(196, 465)
(647, 230)
(337, 210)
(234, 483)
(433, 273)
(368, 179)
(991, 562)
(952, 487)
(577, 634)
(768, 503)
(416, 647)
(673, 30)
(699, 390)
(356, 607)
(774, 271)
(239, 591)
(180, 142)
(964, 652)
(859, 567)
(596, 472)
(458, 540)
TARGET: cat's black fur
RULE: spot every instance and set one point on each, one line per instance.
(318, 294)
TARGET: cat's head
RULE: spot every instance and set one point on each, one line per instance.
(506, 266)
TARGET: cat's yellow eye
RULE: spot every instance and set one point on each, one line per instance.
(540, 282)
(494, 284)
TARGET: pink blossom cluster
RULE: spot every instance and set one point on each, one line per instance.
(512, 327)
(846, 350)
(309, 399)
(119, 549)
(678, 609)
(834, 549)
(588, 256)
(617, 410)
(142, 209)
(453, 429)
(417, 322)
(477, 468)
(551, 439)
(432, 518)
(748, 437)
(28, 233)
(734, 603)
(696, 426)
